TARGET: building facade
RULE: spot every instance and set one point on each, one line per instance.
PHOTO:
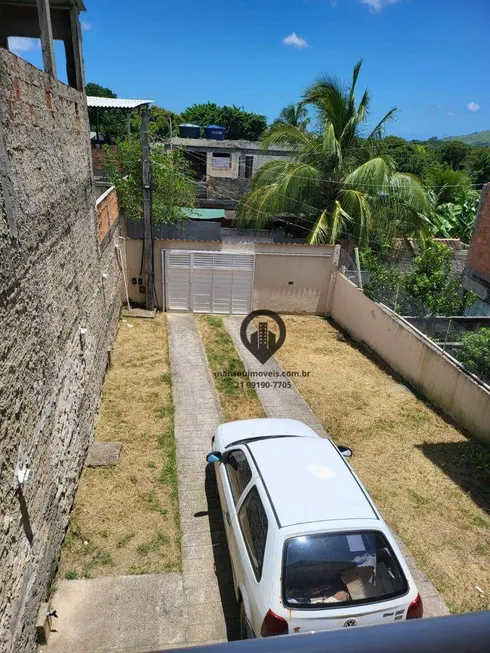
(477, 271)
(223, 169)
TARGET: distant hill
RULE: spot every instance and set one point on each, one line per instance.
(477, 138)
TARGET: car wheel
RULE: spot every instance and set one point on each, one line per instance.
(243, 622)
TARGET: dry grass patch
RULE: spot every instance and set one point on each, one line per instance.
(431, 483)
(237, 402)
(125, 518)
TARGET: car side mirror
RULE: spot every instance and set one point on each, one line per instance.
(345, 451)
(213, 457)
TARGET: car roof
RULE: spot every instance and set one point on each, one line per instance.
(247, 429)
(308, 480)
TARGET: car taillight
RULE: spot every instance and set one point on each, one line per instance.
(273, 625)
(415, 609)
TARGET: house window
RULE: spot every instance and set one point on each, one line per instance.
(221, 161)
(249, 166)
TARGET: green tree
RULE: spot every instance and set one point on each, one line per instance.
(453, 153)
(339, 184)
(239, 124)
(447, 184)
(295, 115)
(431, 286)
(475, 353)
(477, 165)
(172, 187)
(111, 121)
(413, 158)
(162, 123)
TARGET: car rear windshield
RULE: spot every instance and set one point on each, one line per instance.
(330, 570)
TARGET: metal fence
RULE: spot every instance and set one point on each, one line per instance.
(453, 334)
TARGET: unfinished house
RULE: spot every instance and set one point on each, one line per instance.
(59, 304)
(223, 169)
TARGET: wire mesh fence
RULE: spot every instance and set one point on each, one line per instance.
(464, 338)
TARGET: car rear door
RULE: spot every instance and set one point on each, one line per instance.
(234, 477)
(255, 536)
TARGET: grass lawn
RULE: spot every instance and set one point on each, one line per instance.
(125, 518)
(430, 482)
(236, 402)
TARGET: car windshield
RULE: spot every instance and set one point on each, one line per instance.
(329, 570)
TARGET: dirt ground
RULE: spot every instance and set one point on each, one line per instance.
(125, 518)
(431, 483)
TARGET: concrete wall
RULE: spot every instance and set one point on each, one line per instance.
(409, 353)
(51, 285)
(132, 254)
(223, 173)
(276, 265)
(292, 279)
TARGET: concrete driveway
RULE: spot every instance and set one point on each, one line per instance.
(120, 614)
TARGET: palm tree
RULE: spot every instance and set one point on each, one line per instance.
(295, 115)
(338, 184)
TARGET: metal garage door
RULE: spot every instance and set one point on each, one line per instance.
(208, 282)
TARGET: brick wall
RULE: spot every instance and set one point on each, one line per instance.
(107, 213)
(51, 286)
(477, 272)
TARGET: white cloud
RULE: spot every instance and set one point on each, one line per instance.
(473, 106)
(378, 5)
(23, 44)
(295, 40)
(451, 113)
(86, 27)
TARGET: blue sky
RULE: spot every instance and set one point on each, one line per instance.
(427, 57)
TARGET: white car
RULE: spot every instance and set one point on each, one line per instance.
(309, 549)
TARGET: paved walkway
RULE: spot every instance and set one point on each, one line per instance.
(277, 402)
(119, 614)
(212, 613)
(289, 403)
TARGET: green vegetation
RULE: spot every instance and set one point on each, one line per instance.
(237, 397)
(171, 184)
(240, 124)
(476, 138)
(340, 185)
(111, 121)
(295, 115)
(430, 288)
(456, 219)
(475, 353)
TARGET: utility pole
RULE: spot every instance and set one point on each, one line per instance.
(147, 211)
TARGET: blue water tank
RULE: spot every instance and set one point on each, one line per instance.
(215, 132)
(188, 130)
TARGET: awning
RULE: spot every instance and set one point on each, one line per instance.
(114, 103)
(204, 214)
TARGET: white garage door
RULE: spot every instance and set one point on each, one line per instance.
(208, 282)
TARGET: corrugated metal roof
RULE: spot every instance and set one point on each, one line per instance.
(187, 230)
(115, 103)
(204, 214)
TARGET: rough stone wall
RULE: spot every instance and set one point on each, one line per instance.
(51, 286)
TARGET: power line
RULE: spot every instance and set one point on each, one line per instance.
(356, 185)
(268, 216)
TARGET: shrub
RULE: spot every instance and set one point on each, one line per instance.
(475, 353)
